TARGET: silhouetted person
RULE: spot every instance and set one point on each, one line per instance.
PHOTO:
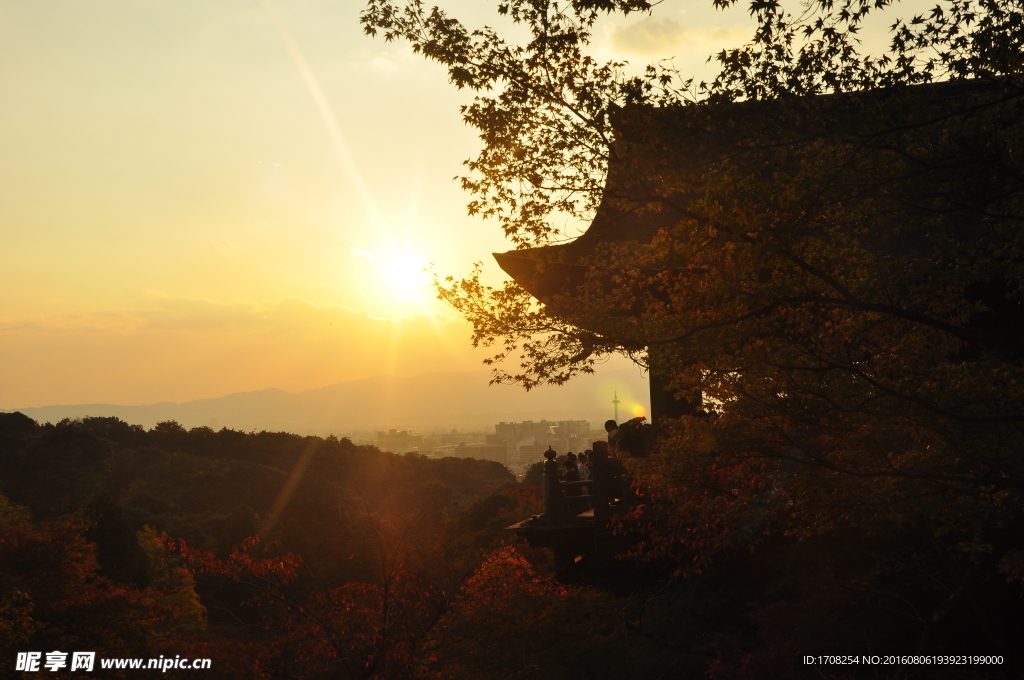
(571, 474)
(612, 428)
(583, 466)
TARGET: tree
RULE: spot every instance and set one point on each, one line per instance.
(872, 300)
(370, 631)
(52, 596)
(511, 622)
(118, 552)
(174, 582)
(832, 257)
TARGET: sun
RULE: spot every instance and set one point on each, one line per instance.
(406, 275)
(402, 275)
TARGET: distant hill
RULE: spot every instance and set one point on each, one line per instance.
(449, 400)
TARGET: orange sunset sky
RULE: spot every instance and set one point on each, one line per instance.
(201, 197)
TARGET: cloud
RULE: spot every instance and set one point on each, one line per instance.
(384, 65)
(368, 255)
(651, 36)
(664, 37)
(163, 312)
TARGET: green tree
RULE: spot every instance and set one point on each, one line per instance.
(175, 583)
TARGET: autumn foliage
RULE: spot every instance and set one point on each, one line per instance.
(53, 598)
(359, 630)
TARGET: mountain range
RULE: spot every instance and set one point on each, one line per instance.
(427, 402)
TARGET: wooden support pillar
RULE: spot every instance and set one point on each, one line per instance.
(600, 474)
(666, 403)
(552, 490)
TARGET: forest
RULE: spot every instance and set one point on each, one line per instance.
(277, 555)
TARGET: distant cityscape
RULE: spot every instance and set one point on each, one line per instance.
(515, 445)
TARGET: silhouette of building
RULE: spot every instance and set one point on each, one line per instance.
(669, 163)
(399, 441)
(526, 441)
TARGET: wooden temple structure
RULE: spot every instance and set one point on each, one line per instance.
(674, 170)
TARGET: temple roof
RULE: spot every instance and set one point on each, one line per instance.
(670, 164)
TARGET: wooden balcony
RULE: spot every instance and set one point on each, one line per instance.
(577, 527)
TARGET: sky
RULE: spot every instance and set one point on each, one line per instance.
(202, 197)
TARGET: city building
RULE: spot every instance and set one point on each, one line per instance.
(399, 441)
(526, 441)
(495, 452)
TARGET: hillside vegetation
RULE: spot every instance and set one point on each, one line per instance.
(282, 556)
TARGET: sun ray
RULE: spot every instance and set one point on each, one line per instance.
(285, 495)
(338, 139)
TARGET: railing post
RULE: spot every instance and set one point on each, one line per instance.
(552, 490)
(600, 474)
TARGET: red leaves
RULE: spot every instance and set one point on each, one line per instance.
(372, 630)
(239, 562)
(52, 598)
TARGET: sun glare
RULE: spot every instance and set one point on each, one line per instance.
(406, 275)
(402, 274)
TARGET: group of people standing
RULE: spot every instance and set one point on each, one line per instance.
(576, 468)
